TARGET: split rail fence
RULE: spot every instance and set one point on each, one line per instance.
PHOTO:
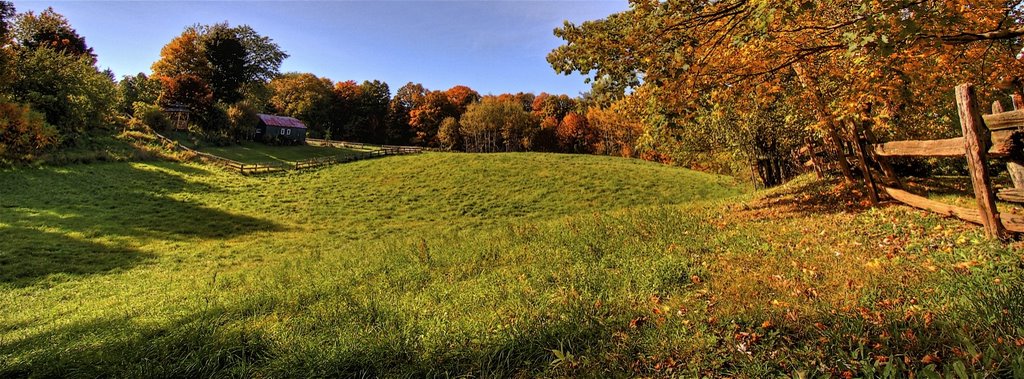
(995, 136)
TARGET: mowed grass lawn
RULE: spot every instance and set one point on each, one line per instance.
(495, 265)
(256, 152)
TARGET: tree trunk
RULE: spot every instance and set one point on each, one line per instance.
(825, 117)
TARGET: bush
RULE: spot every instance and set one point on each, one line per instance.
(242, 120)
(72, 94)
(151, 116)
(23, 132)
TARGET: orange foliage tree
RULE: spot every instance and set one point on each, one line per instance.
(425, 119)
(574, 134)
(890, 63)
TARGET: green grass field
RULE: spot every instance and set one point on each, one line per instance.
(256, 152)
(497, 265)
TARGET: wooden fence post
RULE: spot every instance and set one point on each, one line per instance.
(977, 141)
(1013, 167)
(862, 159)
(887, 171)
(812, 151)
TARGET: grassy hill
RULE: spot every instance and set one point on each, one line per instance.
(486, 265)
(257, 152)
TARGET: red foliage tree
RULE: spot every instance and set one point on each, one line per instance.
(574, 135)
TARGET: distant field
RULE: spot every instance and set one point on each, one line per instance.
(496, 265)
(255, 152)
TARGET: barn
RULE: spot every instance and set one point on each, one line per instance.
(280, 129)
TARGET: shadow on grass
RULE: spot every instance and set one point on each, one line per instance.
(198, 346)
(807, 196)
(89, 219)
(219, 343)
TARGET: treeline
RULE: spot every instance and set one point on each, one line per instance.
(52, 95)
(458, 118)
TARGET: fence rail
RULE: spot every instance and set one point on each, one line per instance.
(999, 135)
(376, 151)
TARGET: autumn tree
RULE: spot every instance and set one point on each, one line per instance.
(408, 97)
(461, 97)
(524, 99)
(425, 119)
(52, 30)
(552, 106)
(574, 134)
(50, 90)
(449, 135)
(891, 63)
(186, 89)
(306, 97)
(184, 55)
(234, 63)
(23, 132)
(497, 124)
(347, 95)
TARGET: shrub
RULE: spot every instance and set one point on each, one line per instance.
(23, 132)
(151, 116)
(242, 120)
(72, 94)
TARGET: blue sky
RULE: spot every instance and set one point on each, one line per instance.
(491, 46)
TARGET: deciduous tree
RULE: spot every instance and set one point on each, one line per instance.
(50, 29)
(888, 62)
(449, 135)
(574, 135)
(461, 97)
(68, 89)
(374, 98)
(497, 124)
(306, 97)
(184, 55)
(226, 57)
(138, 88)
(243, 119)
(409, 96)
(7, 13)
(425, 119)
(236, 62)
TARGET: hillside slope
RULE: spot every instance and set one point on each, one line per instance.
(120, 251)
(484, 265)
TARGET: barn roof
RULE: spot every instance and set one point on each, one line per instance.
(282, 121)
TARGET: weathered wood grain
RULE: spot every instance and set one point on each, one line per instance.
(976, 143)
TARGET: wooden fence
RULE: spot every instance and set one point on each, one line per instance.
(995, 136)
(376, 151)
